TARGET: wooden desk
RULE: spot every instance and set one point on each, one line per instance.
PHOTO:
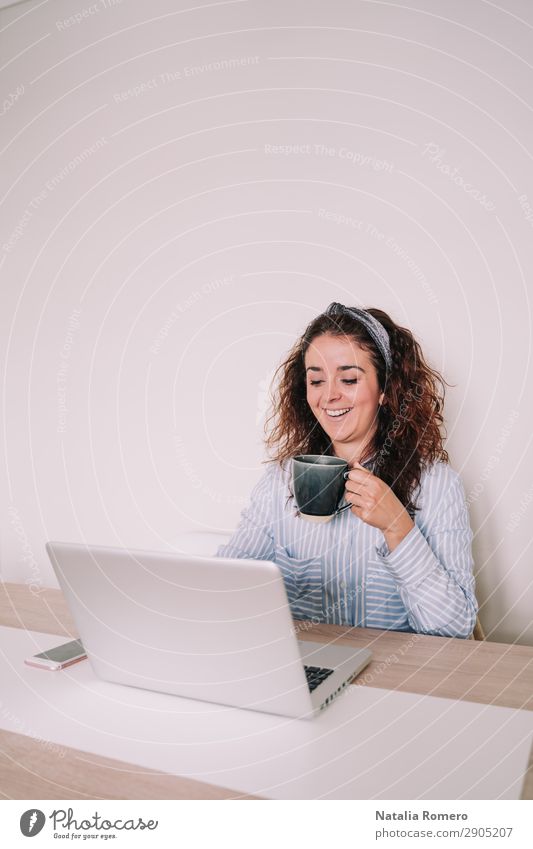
(483, 672)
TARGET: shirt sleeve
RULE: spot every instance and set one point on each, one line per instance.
(433, 564)
(254, 538)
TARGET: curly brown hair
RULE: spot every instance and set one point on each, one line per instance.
(408, 436)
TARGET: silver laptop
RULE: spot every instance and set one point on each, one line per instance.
(208, 628)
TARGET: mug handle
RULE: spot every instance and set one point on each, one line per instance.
(346, 506)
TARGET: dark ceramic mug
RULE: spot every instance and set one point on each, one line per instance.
(318, 483)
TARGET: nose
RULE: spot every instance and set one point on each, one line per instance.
(333, 393)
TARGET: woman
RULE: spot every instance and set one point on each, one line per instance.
(356, 386)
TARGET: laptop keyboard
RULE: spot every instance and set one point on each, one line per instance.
(315, 675)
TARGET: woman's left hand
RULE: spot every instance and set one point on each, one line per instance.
(374, 502)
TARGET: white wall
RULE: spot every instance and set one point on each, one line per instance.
(159, 255)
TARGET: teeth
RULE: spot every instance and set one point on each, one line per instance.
(338, 412)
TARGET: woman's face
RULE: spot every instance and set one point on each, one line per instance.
(342, 391)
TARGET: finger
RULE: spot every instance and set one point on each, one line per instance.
(358, 476)
(353, 488)
(360, 511)
(349, 494)
(361, 507)
(354, 498)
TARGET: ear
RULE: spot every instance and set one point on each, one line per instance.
(381, 399)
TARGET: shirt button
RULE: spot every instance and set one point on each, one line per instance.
(342, 585)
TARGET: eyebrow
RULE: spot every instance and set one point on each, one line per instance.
(339, 368)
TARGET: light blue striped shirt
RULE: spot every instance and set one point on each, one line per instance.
(342, 571)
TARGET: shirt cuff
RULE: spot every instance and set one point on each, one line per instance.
(411, 560)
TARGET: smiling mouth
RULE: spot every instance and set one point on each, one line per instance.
(337, 414)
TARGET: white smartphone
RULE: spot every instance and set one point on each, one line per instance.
(58, 657)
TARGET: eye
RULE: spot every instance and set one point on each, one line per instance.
(348, 382)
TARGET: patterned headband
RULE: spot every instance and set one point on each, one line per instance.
(374, 328)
